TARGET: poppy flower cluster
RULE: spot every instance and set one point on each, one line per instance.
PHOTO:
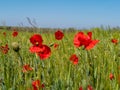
(37, 85)
(81, 39)
(43, 51)
(59, 35)
(74, 59)
(4, 49)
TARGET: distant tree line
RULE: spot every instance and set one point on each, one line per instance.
(47, 30)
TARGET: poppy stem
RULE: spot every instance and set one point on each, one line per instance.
(21, 60)
(91, 67)
(69, 75)
(36, 66)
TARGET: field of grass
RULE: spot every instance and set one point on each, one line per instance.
(97, 68)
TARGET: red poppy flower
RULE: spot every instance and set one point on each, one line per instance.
(59, 35)
(27, 68)
(42, 85)
(115, 41)
(74, 59)
(89, 87)
(4, 33)
(56, 45)
(37, 85)
(42, 51)
(78, 38)
(111, 76)
(4, 49)
(36, 39)
(15, 33)
(80, 88)
(45, 52)
(81, 39)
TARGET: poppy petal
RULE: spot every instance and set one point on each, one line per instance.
(45, 53)
(92, 44)
(35, 49)
(90, 34)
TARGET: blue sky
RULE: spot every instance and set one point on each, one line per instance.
(61, 13)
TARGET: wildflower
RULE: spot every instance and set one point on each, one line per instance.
(89, 87)
(37, 85)
(27, 68)
(59, 35)
(36, 39)
(43, 85)
(15, 33)
(81, 39)
(4, 33)
(111, 76)
(42, 51)
(4, 49)
(45, 52)
(56, 45)
(81, 88)
(74, 59)
(115, 41)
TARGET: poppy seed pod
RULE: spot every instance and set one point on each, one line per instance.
(15, 46)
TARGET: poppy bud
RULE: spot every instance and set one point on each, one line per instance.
(15, 46)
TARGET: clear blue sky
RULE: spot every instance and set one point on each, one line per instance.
(61, 13)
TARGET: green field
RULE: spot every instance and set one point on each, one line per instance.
(97, 68)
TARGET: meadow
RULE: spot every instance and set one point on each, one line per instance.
(93, 66)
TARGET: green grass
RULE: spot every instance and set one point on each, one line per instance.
(58, 72)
